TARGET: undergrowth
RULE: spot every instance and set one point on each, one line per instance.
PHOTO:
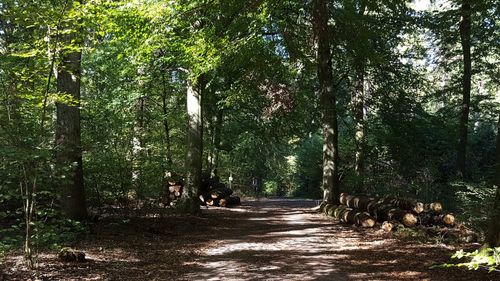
(484, 258)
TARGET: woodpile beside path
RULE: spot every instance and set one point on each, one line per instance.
(215, 193)
(212, 193)
(389, 212)
(174, 191)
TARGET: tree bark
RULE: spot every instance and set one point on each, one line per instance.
(465, 26)
(349, 215)
(359, 117)
(369, 204)
(446, 219)
(385, 212)
(327, 102)
(138, 149)
(406, 204)
(68, 135)
(493, 236)
(189, 200)
(165, 122)
(216, 141)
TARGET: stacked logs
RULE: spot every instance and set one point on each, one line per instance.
(215, 193)
(349, 215)
(173, 191)
(391, 211)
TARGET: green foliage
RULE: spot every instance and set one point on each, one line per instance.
(9, 241)
(484, 258)
(57, 232)
(49, 231)
(271, 188)
(309, 162)
(411, 234)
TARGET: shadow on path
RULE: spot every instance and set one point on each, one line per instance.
(267, 239)
(282, 239)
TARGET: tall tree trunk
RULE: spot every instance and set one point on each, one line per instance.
(327, 102)
(216, 140)
(138, 150)
(189, 201)
(68, 135)
(465, 26)
(209, 134)
(358, 101)
(493, 237)
(165, 122)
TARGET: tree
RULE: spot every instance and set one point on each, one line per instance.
(327, 101)
(166, 126)
(194, 159)
(217, 132)
(358, 101)
(138, 147)
(359, 37)
(465, 40)
(465, 34)
(493, 236)
(68, 133)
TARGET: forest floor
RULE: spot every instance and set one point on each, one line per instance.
(266, 239)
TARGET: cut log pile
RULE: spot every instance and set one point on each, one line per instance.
(390, 212)
(215, 193)
(349, 215)
(173, 191)
(212, 193)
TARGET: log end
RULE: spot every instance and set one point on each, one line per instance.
(410, 220)
(343, 198)
(368, 222)
(388, 226)
(419, 207)
(436, 207)
(448, 219)
(223, 202)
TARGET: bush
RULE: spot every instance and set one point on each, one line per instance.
(270, 188)
(486, 258)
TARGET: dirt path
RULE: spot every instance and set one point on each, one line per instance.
(261, 240)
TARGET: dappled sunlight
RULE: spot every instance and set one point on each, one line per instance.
(112, 255)
(289, 243)
(258, 219)
(268, 239)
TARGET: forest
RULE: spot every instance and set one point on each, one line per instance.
(249, 140)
